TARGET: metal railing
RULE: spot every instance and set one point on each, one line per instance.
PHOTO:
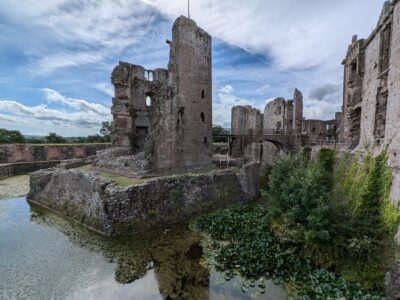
(228, 131)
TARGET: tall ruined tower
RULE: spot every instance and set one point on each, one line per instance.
(167, 114)
(297, 111)
(190, 77)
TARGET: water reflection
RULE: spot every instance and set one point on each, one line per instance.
(43, 256)
(171, 256)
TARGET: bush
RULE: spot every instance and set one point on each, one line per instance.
(54, 138)
(299, 201)
(364, 189)
(338, 212)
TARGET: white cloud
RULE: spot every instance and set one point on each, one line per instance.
(106, 88)
(50, 63)
(77, 32)
(223, 104)
(226, 89)
(320, 109)
(296, 34)
(84, 115)
(77, 104)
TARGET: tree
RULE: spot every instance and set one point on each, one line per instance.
(11, 137)
(107, 130)
(54, 138)
(218, 134)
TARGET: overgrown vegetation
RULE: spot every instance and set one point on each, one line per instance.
(325, 227)
(244, 244)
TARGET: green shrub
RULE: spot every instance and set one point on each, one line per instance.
(300, 205)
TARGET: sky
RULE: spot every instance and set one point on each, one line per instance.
(56, 56)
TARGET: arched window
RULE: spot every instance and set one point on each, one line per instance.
(203, 118)
(148, 101)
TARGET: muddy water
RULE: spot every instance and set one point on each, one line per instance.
(45, 257)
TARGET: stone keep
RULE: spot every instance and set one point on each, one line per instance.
(168, 113)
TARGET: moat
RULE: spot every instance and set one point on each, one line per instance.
(45, 257)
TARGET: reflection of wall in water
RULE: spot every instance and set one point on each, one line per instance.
(174, 253)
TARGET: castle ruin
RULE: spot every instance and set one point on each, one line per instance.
(281, 117)
(167, 113)
(371, 106)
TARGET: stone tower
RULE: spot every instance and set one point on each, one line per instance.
(189, 74)
(297, 111)
(167, 114)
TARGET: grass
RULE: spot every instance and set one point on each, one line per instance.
(122, 181)
(85, 168)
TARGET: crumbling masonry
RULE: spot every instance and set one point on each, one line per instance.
(371, 106)
(167, 114)
(281, 118)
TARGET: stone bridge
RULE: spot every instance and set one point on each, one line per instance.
(284, 140)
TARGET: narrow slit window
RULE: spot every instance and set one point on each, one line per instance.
(202, 94)
(203, 118)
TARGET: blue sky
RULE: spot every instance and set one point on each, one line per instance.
(56, 56)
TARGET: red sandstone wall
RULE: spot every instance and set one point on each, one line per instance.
(30, 153)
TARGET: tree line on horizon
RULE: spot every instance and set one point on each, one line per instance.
(16, 137)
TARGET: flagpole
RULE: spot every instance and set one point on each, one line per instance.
(189, 9)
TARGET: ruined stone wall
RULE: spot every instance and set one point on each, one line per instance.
(270, 154)
(137, 92)
(354, 65)
(314, 130)
(339, 127)
(168, 113)
(289, 115)
(21, 168)
(112, 210)
(375, 85)
(297, 112)
(392, 135)
(29, 153)
(274, 114)
(370, 87)
(245, 120)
